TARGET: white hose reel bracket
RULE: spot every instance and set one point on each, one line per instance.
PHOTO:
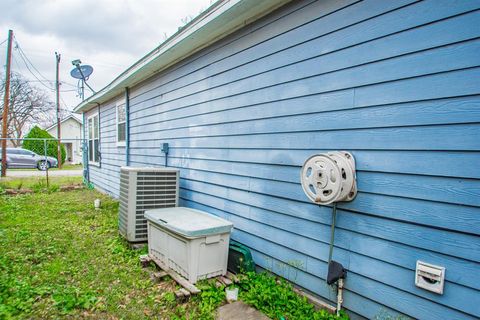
(329, 177)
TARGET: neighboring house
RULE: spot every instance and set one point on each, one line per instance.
(248, 90)
(71, 134)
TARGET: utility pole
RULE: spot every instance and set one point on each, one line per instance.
(57, 87)
(6, 100)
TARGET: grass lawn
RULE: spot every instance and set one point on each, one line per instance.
(61, 258)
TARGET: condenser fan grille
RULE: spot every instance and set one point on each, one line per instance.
(142, 189)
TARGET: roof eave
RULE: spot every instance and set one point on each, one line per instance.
(220, 20)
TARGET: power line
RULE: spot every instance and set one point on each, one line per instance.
(68, 84)
(42, 82)
(45, 54)
(19, 67)
(3, 42)
(39, 77)
(63, 101)
(28, 62)
(22, 53)
(16, 61)
(29, 65)
(38, 80)
(50, 81)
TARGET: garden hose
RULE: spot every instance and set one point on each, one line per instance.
(332, 231)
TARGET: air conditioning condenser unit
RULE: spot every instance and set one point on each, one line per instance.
(143, 189)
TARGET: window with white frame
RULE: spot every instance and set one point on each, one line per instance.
(93, 139)
(121, 123)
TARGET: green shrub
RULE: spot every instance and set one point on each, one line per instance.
(38, 146)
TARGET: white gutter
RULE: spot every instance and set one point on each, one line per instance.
(221, 19)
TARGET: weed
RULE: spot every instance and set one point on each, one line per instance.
(53, 188)
(69, 298)
(40, 186)
(276, 298)
(169, 298)
(209, 299)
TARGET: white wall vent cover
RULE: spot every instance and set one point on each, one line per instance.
(143, 189)
(430, 277)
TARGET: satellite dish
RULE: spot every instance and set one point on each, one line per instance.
(86, 71)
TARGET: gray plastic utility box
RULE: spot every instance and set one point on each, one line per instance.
(191, 242)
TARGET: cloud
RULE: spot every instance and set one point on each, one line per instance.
(108, 34)
(100, 25)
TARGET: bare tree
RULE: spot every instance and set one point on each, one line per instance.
(28, 106)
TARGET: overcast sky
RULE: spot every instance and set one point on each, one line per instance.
(110, 35)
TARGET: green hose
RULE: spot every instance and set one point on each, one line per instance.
(332, 232)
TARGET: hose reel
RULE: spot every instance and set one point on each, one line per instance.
(330, 178)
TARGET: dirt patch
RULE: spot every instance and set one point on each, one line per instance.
(14, 192)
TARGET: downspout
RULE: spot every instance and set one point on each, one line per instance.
(127, 126)
(86, 171)
(99, 137)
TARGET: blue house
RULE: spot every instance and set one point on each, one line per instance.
(250, 89)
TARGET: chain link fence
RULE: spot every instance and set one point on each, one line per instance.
(37, 157)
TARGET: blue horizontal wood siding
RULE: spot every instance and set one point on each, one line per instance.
(106, 176)
(396, 83)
